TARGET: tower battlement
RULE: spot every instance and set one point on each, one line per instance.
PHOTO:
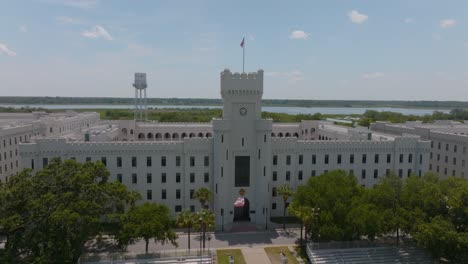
(240, 82)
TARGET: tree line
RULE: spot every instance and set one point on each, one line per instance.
(209, 101)
(431, 211)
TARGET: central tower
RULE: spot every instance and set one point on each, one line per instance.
(242, 152)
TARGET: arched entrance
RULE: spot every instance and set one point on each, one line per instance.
(242, 208)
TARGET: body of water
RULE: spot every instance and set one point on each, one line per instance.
(275, 109)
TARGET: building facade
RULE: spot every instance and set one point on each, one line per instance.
(241, 157)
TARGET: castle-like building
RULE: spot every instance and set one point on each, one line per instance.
(241, 157)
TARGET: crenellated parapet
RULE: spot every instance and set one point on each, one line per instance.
(243, 84)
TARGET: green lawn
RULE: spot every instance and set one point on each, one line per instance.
(274, 255)
(223, 255)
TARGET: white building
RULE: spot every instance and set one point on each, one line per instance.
(240, 153)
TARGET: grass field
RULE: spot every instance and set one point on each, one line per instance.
(223, 256)
(274, 255)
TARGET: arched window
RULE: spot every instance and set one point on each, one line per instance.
(141, 136)
(158, 136)
(175, 136)
(296, 134)
(288, 134)
(200, 135)
(280, 134)
(167, 136)
(273, 135)
(208, 135)
(192, 135)
(131, 131)
(149, 136)
(184, 135)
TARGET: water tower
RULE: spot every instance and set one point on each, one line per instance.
(141, 109)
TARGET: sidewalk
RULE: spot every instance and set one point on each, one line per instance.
(255, 255)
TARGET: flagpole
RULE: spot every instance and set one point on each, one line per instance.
(243, 57)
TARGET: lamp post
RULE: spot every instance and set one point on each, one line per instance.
(200, 221)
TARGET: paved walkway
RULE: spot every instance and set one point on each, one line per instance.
(255, 255)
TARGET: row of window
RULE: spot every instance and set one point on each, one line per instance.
(14, 140)
(446, 160)
(447, 147)
(178, 194)
(339, 159)
(6, 167)
(313, 173)
(149, 177)
(11, 154)
(454, 172)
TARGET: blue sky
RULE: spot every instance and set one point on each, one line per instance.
(328, 49)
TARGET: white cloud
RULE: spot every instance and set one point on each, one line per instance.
(373, 75)
(447, 23)
(408, 20)
(97, 32)
(23, 29)
(83, 4)
(299, 34)
(5, 50)
(292, 76)
(357, 17)
(69, 20)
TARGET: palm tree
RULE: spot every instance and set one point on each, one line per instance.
(305, 215)
(286, 191)
(203, 221)
(203, 195)
(185, 219)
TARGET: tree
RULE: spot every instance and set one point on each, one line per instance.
(329, 200)
(49, 215)
(147, 221)
(305, 215)
(204, 220)
(387, 197)
(285, 191)
(203, 195)
(186, 219)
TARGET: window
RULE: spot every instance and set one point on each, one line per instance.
(432, 143)
(389, 158)
(446, 147)
(45, 162)
(149, 195)
(119, 177)
(445, 171)
(264, 138)
(206, 177)
(363, 174)
(273, 192)
(134, 161)
(301, 159)
(177, 177)
(364, 158)
(326, 159)
(222, 138)
(376, 158)
(387, 172)
(275, 160)
(275, 176)
(177, 161)
(149, 178)
(401, 158)
(420, 158)
(273, 206)
(314, 159)
(163, 194)
(288, 176)
(104, 161)
(178, 208)
(400, 173)
(163, 177)
(438, 145)
(299, 175)
(242, 171)
(163, 161)
(409, 172)
(192, 177)
(288, 160)
(446, 159)
(149, 161)
(119, 161)
(438, 157)
(338, 159)
(32, 164)
(206, 161)
(410, 158)
(177, 194)
(312, 173)
(430, 156)
(192, 192)
(453, 173)
(134, 178)
(455, 148)
(454, 161)
(192, 161)
(192, 208)
(376, 174)
(351, 159)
